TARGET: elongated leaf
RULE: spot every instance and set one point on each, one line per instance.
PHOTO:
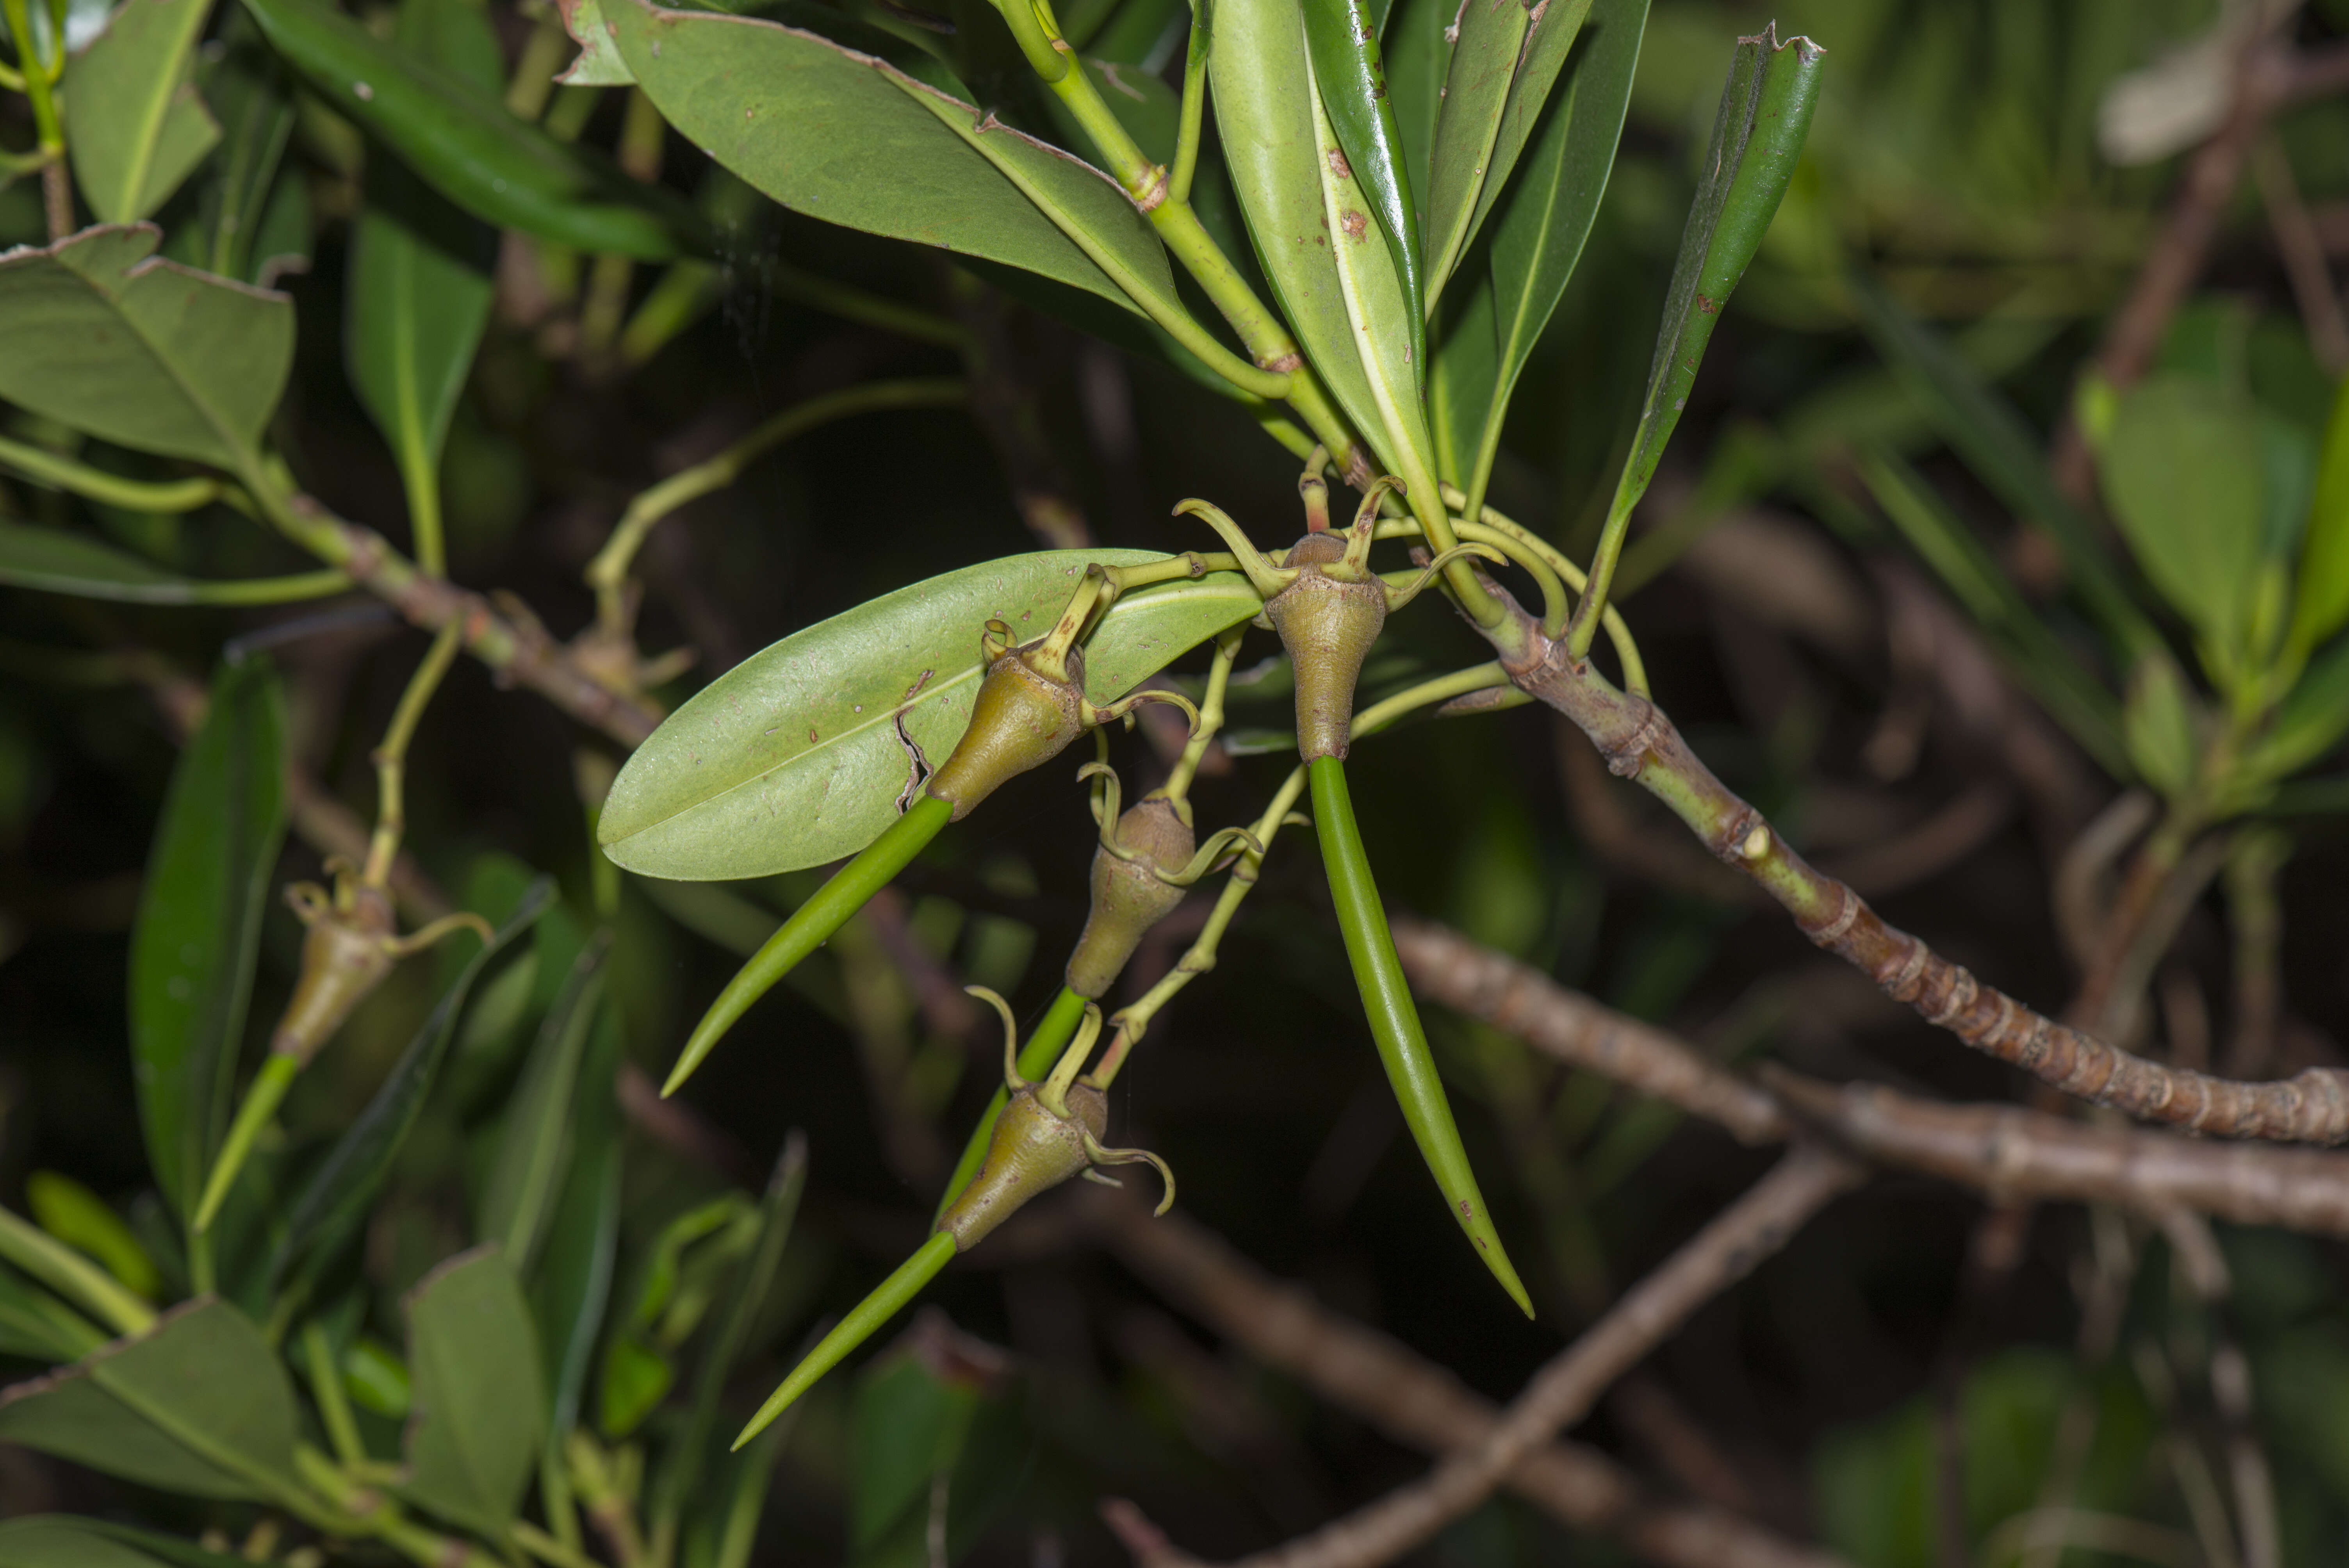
(851, 139)
(1463, 381)
(1342, 41)
(1548, 212)
(330, 1208)
(36, 1324)
(193, 949)
(465, 144)
(2185, 471)
(1490, 35)
(107, 337)
(480, 1404)
(60, 562)
(792, 758)
(526, 1176)
(2003, 453)
(573, 1290)
(421, 288)
(1265, 106)
(1417, 54)
(2073, 696)
(1765, 112)
(199, 1405)
(133, 120)
(63, 1541)
(1551, 30)
(2323, 606)
(247, 89)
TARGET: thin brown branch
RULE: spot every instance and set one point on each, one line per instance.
(2004, 1150)
(1729, 1248)
(1410, 1399)
(1639, 742)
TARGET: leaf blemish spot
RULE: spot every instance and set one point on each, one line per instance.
(1355, 225)
(364, 93)
(1338, 166)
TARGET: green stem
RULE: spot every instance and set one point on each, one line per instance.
(96, 484)
(1394, 1022)
(864, 1320)
(71, 1275)
(419, 475)
(326, 1388)
(1036, 1059)
(811, 925)
(1211, 718)
(261, 1102)
(1193, 112)
(609, 571)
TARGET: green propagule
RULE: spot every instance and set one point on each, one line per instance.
(1388, 375)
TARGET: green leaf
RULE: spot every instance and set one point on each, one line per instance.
(2323, 606)
(35, 1324)
(1417, 55)
(107, 337)
(598, 63)
(573, 1290)
(1765, 111)
(1548, 212)
(419, 288)
(2157, 723)
(81, 1220)
(1461, 387)
(1551, 30)
(1265, 106)
(1344, 44)
(480, 1401)
(2308, 723)
(201, 1404)
(1489, 37)
(2184, 470)
(133, 120)
(343, 1190)
(464, 143)
(199, 925)
(2073, 696)
(526, 1174)
(907, 1425)
(247, 89)
(791, 757)
(636, 1378)
(2001, 452)
(56, 562)
(64, 1540)
(851, 139)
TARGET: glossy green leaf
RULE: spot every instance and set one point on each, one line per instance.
(479, 1401)
(853, 140)
(1342, 41)
(199, 925)
(2003, 453)
(2072, 695)
(1387, 341)
(1765, 113)
(35, 1324)
(57, 561)
(1552, 30)
(525, 1176)
(2323, 606)
(134, 122)
(2185, 473)
(82, 1221)
(107, 337)
(342, 1192)
(1417, 53)
(1462, 383)
(201, 1404)
(2157, 723)
(1548, 210)
(420, 287)
(65, 1540)
(572, 1291)
(466, 145)
(1489, 36)
(791, 757)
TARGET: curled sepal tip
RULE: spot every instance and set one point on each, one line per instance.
(864, 1320)
(1101, 1156)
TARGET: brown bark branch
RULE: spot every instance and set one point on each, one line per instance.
(1728, 1249)
(1639, 742)
(1409, 1400)
(2005, 1151)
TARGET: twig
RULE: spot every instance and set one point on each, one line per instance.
(2004, 1150)
(1638, 741)
(1728, 1249)
(1410, 1399)
(2303, 253)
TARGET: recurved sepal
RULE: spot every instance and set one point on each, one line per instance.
(1031, 1152)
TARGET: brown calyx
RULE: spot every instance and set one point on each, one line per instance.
(1020, 720)
(1328, 624)
(1129, 897)
(1031, 1152)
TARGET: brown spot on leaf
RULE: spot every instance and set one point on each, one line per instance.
(1338, 166)
(1355, 225)
(1710, 307)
